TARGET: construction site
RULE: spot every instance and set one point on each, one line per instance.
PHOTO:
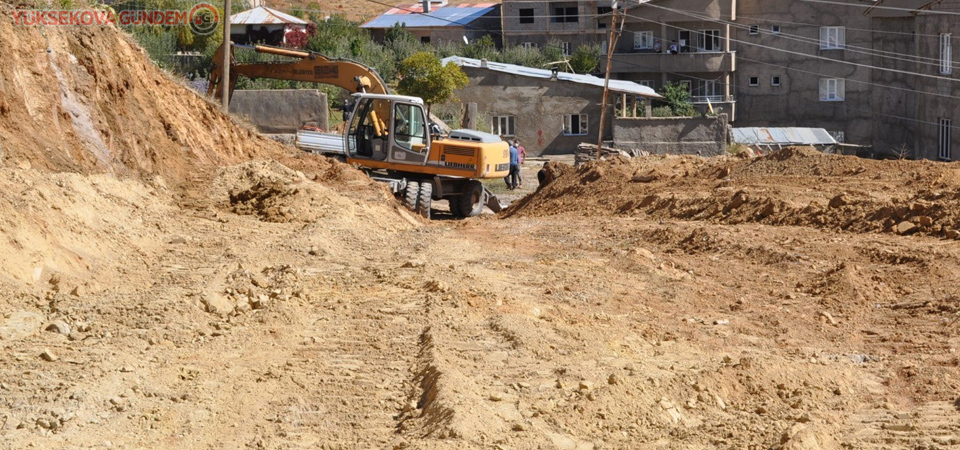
(172, 279)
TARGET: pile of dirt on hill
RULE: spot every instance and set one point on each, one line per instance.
(795, 186)
(88, 100)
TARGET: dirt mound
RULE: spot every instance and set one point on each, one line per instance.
(276, 193)
(795, 187)
(87, 99)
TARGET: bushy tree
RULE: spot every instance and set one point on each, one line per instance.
(422, 75)
(523, 56)
(483, 48)
(401, 43)
(677, 98)
(586, 59)
(553, 51)
(333, 36)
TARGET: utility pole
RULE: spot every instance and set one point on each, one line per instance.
(225, 73)
(612, 43)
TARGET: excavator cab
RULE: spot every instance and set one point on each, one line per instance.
(389, 128)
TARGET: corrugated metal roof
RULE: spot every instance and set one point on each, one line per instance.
(782, 136)
(628, 87)
(262, 15)
(444, 16)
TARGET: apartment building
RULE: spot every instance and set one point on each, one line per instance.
(880, 74)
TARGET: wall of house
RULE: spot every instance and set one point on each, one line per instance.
(893, 135)
(543, 29)
(795, 56)
(538, 107)
(281, 110)
(706, 136)
(943, 105)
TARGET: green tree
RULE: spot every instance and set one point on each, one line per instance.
(553, 52)
(523, 56)
(482, 48)
(677, 98)
(586, 58)
(422, 75)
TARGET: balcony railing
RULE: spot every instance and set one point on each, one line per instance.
(675, 63)
(707, 98)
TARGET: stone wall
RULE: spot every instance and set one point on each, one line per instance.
(281, 110)
(706, 136)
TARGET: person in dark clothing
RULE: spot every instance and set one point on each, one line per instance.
(543, 177)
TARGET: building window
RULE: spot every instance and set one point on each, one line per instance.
(424, 39)
(946, 54)
(832, 38)
(775, 29)
(502, 125)
(831, 89)
(642, 40)
(775, 81)
(754, 81)
(708, 40)
(574, 124)
(567, 48)
(647, 83)
(709, 90)
(837, 136)
(602, 18)
(944, 136)
(528, 45)
(562, 14)
(754, 29)
(688, 85)
(526, 15)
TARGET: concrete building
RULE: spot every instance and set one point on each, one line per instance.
(434, 21)
(262, 25)
(879, 74)
(549, 112)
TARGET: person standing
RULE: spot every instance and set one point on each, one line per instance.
(522, 154)
(511, 178)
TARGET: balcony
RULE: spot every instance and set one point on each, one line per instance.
(674, 63)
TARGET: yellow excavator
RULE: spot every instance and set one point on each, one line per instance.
(388, 136)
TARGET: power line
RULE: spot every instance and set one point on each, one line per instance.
(823, 58)
(935, 62)
(849, 28)
(934, 94)
(892, 8)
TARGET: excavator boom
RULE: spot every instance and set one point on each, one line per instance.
(312, 67)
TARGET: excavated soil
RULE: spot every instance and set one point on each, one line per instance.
(218, 291)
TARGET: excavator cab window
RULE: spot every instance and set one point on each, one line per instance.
(410, 130)
(368, 133)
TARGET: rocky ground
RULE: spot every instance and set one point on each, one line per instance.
(203, 288)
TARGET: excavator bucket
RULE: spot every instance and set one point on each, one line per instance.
(492, 201)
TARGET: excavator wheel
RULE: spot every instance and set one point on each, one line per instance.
(455, 206)
(470, 203)
(426, 199)
(411, 194)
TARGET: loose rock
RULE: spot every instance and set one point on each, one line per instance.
(48, 355)
(58, 326)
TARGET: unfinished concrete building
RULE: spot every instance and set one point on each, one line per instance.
(880, 75)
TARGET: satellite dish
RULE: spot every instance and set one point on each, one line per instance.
(465, 41)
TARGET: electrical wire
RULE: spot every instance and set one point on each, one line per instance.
(891, 8)
(935, 62)
(823, 58)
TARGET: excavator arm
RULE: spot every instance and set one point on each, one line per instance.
(312, 67)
